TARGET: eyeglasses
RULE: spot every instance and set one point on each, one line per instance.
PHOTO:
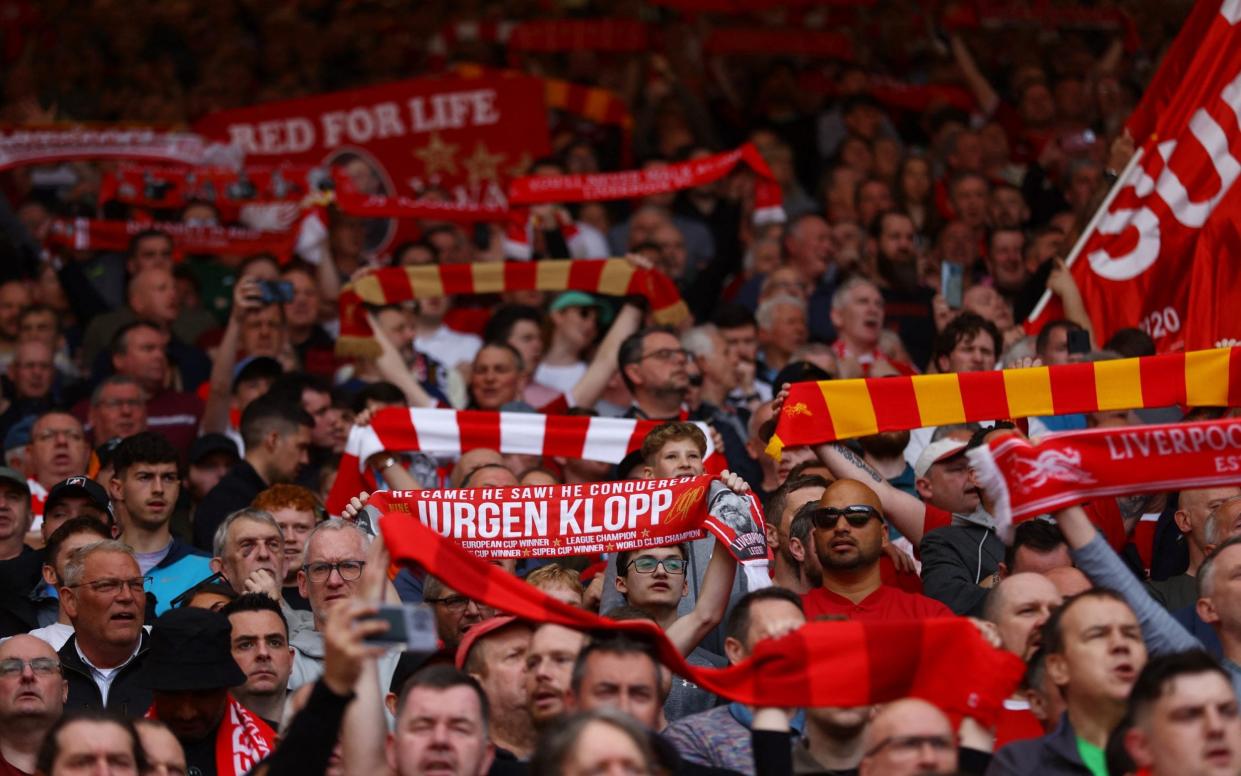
(71, 434)
(453, 603)
(349, 570)
(113, 586)
(909, 746)
(40, 666)
(857, 515)
(647, 565)
(666, 354)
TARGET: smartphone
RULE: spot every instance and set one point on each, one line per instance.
(409, 625)
(1078, 142)
(1079, 342)
(952, 283)
(275, 291)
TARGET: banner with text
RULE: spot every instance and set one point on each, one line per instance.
(463, 137)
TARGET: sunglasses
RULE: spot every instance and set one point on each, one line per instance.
(856, 515)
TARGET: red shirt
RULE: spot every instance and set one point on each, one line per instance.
(7, 769)
(886, 603)
(1016, 724)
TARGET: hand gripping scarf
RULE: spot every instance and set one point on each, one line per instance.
(820, 664)
(818, 412)
(453, 432)
(1025, 479)
(390, 285)
(241, 742)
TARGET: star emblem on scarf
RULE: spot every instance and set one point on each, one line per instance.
(438, 156)
(482, 165)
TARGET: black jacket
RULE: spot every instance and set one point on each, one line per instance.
(127, 696)
(955, 559)
(234, 491)
(1055, 754)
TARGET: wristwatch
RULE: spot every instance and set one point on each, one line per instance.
(391, 460)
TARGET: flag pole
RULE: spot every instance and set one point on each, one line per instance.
(1117, 185)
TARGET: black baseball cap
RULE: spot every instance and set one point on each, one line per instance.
(207, 444)
(79, 486)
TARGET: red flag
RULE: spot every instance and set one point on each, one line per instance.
(1136, 255)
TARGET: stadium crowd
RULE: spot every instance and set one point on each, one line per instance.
(176, 599)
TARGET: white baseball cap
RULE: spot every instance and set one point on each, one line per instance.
(936, 452)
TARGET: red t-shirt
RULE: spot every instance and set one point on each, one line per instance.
(7, 769)
(886, 603)
(1016, 723)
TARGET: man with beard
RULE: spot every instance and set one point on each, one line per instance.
(549, 672)
(788, 571)
(494, 653)
(886, 454)
(907, 303)
(454, 613)
(849, 534)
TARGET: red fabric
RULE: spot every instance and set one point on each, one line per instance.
(241, 740)
(1105, 514)
(1016, 725)
(1134, 269)
(90, 234)
(820, 664)
(1143, 539)
(726, 41)
(46, 145)
(153, 186)
(886, 603)
(906, 581)
(935, 518)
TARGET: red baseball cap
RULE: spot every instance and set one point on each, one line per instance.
(476, 632)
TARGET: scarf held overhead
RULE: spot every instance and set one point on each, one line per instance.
(818, 412)
(453, 432)
(241, 742)
(820, 664)
(82, 234)
(1025, 479)
(391, 285)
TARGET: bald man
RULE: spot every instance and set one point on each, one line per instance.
(906, 737)
(32, 697)
(1069, 580)
(848, 534)
(1019, 605)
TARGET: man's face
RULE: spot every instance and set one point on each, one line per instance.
(295, 524)
(971, 200)
(1028, 559)
(874, 197)
(27, 693)
(440, 732)
(1193, 729)
(1026, 603)
(1008, 267)
(111, 618)
(771, 619)
(262, 332)
(304, 309)
(398, 325)
(527, 338)
(810, 248)
(207, 473)
(149, 492)
(67, 507)
(791, 458)
(1194, 508)
(677, 458)
(153, 296)
(720, 365)
(32, 370)
(504, 676)
(626, 682)
(330, 547)
(549, 669)
(193, 715)
(974, 353)
(260, 646)
(14, 295)
(916, 739)
(990, 304)
(795, 501)
(657, 588)
(455, 614)
(860, 319)
(1008, 207)
(495, 379)
(1223, 605)
(87, 747)
(39, 326)
(145, 358)
(121, 411)
(58, 449)
(743, 340)
(662, 368)
(842, 546)
(252, 546)
(319, 406)
(949, 486)
(291, 454)
(896, 239)
(787, 331)
(14, 512)
(1103, 651)
(165, 756)
(151, 252)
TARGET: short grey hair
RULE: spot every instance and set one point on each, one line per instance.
(219, 543)
(75, 566)
(335, 524)
(841, 297)
(97, 395)
(700, 340)
(767, 310)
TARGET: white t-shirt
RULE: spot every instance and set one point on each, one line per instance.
(103, 676)
(55, 634)
(449, 347)
(562, 378)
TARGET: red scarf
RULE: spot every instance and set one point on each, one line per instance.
(82, 234)
(820, 412)
(549, 189)
(820, 664)
(241, 741)
(1025, 479)
(48, 145)
(350, 200)
(390, 285)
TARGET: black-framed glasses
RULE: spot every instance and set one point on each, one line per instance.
(455, 603)
(909, 746)
(349, 570)
(111, 586)
(647, 565)
(40, 666)
(856, 515)
(666, 354)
